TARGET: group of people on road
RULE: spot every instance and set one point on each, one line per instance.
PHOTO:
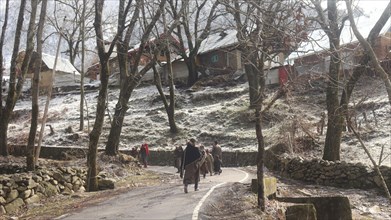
(195, 161)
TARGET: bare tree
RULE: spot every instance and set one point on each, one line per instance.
(16, 78)
(195, 27)
(77, 13)
(92, 180)
(337, 109)
(83, 54)
(76, 30)
(369, 50)
(130, 80)
(169, 105)
(35, 91)
(3, 32)
(262, 29)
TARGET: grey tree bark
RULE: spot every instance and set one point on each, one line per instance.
(130, 81)
(35, 90)
(12, 96)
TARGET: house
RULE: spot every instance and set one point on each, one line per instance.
(314, 57)
(179, 70)
(218, 54)
(93, 71)
(351, 53)
(66, 74)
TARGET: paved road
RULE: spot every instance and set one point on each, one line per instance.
(167, 201)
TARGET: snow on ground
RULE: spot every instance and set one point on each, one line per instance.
(219, 113)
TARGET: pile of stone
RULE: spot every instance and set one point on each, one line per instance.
(17, 190)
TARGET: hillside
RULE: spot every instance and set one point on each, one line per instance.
(217, 109)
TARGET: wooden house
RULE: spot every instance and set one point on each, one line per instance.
(351, 53)
(66, 74)
(218, 54)
(93, 71)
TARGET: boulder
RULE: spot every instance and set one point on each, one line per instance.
(301, 211)
(2, 200)
(12, 195)
(327, 207)
(49, 189)
(25, 194)
(33, 199)
(269, 186)
(14, 205)
(31, 183)
(106, 184)
(67, 191)
(58, 176)
(2, 210)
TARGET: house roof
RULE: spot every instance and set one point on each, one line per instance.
(218, 40)
(63, 65)
(320, 42)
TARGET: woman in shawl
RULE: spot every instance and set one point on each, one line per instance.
(192, 160)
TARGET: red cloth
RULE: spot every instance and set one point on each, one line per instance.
(145, 145)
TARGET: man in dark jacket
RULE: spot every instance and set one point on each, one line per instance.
(191, 165)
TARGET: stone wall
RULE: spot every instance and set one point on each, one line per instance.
(318, 171)
(230, 159)
(19, 189)
(160, 158)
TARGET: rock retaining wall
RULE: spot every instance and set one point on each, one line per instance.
(160, 158)
(318, 171)
(25, 188)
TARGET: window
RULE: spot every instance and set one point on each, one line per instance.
(214, 58)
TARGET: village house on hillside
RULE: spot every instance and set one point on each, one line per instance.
(318, 62)
(66, 73)
(93, 71)
(218, 54)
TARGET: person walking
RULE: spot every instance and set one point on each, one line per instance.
(192, 160)
(203, 168)
(178, 154)
(144, 153)
(217, 157)
(209, 162)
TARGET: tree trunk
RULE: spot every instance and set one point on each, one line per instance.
(260, 158)
(92, 179)
(35, 91)
(131, 82)
(12, 93)
(48, 97)
(193, 73)
(83, 51)
(335, 114)
(116, 126)
(253, 84)
(25, 67)
(3, 30)
(170, 108)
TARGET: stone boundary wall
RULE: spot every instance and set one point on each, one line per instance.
(19, 189)
(328, 173)
(160, 158)
(340, 174)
